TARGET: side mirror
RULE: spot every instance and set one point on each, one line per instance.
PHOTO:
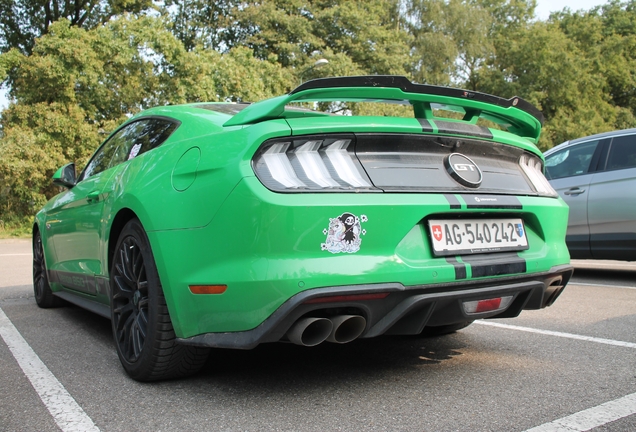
(65, 176)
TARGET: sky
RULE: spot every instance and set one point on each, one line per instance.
(544, 8)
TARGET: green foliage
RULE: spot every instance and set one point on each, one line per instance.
(78, 68)
(368, 33)
(16, 227)
(452, 41)
(22, 21)
(77, 84)
(575, 68)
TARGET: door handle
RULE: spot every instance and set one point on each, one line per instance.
(574, 191)
(92, 197)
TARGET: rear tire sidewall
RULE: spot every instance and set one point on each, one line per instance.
(141, 369)
(43, 297)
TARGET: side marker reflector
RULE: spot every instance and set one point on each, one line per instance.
(208, 289)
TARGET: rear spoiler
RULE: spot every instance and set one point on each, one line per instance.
(515, 114)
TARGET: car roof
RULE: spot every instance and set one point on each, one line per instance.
(598, 136)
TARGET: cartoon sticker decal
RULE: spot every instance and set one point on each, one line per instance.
(344, 233)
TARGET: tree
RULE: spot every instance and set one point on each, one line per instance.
(78, 85)
(452, 41)
(368, 33)
(541, 64)
(22, 21)
(206, 23)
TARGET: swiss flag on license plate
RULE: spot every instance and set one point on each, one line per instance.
(437, 232)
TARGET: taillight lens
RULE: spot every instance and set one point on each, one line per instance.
(533, 169)
(311, 165)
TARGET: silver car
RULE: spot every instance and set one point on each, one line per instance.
(596, 176)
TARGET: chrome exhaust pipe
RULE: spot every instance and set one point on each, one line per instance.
(346, 328)
(310, 331)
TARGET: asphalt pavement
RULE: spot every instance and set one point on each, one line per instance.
(560, 368)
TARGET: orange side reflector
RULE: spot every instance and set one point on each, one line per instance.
(208, 289)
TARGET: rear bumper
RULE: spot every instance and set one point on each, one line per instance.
(404, 310)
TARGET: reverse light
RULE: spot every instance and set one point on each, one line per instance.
(533, 169)
(279, 166)
(342, 163)
(489, 305)
(311, 164)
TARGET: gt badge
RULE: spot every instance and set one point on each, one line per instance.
(343, 234)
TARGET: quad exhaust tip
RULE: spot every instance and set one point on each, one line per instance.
(340, 329)
(310, 331)
(346, 328)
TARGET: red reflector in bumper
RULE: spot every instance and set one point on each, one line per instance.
(346, 298)
(208, 289)
(488, 305)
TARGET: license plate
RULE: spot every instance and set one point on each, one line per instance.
(473, 236)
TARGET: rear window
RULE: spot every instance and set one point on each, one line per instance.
(622, 153)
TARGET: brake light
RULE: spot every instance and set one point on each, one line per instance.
(312, 165)
(533, 169)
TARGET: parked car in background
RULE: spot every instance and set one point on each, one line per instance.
(231, 225)
(596, 176)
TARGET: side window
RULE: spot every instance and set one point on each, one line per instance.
(571, 161)
(622, 153)
(128, 143)
(101, 160)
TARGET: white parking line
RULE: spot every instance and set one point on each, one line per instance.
(589, 418)
(601, 285)
(559, 334)
(22, 254)
(68, 415)
(593, 417)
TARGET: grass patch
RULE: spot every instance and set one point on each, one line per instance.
(16, 228)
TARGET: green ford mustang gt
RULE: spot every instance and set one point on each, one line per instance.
(230, 225)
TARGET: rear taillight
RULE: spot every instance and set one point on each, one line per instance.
(311, 165)
(533, 169)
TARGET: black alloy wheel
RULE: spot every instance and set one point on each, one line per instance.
(41, 289)
(144, 335)
(130, 299)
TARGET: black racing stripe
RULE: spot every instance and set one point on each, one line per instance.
(492, 201)
(457, 128)
(453, 201)
(76, 281)
(495, 265)
(460, 268)
(426, 125)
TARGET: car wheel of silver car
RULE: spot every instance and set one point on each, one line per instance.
(144, 336)
(41, 289)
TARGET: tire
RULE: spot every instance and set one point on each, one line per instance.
(144, 336)
(41, 288)
(444, 330)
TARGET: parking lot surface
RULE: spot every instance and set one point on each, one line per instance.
(570, 367)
